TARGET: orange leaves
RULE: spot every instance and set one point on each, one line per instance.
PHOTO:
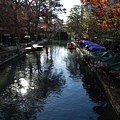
(102, 1)
(104, 24)
(97, 2)
(99, 7)
(105, 11)
(45, 26)
(115, 11)
(118, 5)
(109, 22)
(118, 10)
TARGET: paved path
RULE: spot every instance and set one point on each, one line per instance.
(11, 51)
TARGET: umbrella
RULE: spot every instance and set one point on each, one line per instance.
(112, 59)
(101, 54)
(116, 58)
(106, 54)
(96, 52)
(115, 66)
(105, 59)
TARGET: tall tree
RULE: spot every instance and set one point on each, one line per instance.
(6, 15)
(107, 17)
(78, 21)
(24, 16)
(50, 17)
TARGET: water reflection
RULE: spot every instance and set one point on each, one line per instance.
(73, 63)
(96, 94)
(32, 81)
(51, 84)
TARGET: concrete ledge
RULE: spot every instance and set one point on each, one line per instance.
(21, 51)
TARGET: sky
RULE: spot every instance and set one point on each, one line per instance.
(68, 4)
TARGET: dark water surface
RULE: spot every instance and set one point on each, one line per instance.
(53, 84)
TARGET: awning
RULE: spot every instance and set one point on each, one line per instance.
(115, 66)
(111, 59)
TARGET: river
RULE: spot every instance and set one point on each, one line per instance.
(53, 84)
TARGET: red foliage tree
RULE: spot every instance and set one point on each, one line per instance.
(107, 14)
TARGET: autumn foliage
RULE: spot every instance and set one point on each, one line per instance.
(107, 13)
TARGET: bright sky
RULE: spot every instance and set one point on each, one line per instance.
(68, 4)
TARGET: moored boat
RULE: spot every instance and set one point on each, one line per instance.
(37, 47)
(71, 45)
(33, 47)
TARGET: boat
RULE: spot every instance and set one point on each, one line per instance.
(28, 49)
(34, 47)
(37, 47)
(71, 45)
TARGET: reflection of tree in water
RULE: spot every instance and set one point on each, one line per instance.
(97, 94)
(52, 81)
(73, 62)
(7, 73)
(76, 64)
(92, 87)
(38, 61)
(15, 105)
(104, 112)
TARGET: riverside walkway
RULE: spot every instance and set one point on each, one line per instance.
(112, 90)
(11, 52)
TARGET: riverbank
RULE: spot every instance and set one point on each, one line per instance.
(12, 52)
(112, 91)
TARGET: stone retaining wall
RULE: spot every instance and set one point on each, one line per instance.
(112, 93)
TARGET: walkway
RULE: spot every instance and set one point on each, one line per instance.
(12, 52)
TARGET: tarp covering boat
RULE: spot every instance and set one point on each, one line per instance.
(92, 46)
(71, 45)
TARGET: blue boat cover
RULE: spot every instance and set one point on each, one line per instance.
(92, 46)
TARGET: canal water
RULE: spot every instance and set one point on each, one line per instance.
(53, 84)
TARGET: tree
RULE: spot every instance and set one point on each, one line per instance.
(107, 17)
(74, 20)
(50, 17)
(28, 16)
(6, 15)
(78, 21)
